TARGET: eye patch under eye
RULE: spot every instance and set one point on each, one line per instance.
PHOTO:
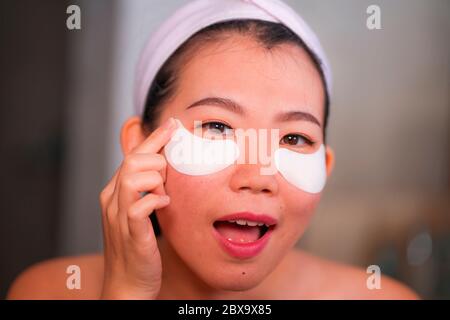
(192, 155)
(305, 171)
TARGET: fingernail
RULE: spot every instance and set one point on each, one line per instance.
(170, 123)
(165, 199)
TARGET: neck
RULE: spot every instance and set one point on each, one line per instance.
(179, 282)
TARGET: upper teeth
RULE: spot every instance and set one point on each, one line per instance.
(249, 223)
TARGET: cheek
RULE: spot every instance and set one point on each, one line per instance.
(190, 190)
(192, 198)
(299, 208)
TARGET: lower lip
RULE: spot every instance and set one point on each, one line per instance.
(243, 250)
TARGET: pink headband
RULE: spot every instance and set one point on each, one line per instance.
(198, 14)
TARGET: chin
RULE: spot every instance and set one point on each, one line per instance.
(233, 277)
(235, 283)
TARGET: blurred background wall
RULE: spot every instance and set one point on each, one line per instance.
(65, 94)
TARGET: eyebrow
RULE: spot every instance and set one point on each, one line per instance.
(233, 106)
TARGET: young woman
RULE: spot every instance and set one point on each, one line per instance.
(229, 233)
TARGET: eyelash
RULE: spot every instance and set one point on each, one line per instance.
(215, 122)
(307, 140)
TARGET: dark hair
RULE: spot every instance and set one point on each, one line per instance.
(268, 34)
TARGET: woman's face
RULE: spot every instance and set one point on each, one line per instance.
(265, 84)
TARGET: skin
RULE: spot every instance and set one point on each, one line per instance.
(136, 263)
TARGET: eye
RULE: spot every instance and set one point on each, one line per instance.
(216, 127)
(296, 140)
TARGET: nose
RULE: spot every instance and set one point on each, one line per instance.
(248, 178)
(254, 170)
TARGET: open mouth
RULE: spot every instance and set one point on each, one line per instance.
(244, 235)
(241, 231)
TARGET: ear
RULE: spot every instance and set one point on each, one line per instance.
(131, 134)
(329, 153)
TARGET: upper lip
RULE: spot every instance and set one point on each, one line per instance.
(250, 216)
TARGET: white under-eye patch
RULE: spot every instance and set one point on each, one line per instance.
(194, 155)
(305, 171)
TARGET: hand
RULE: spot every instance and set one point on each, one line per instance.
(132, 262)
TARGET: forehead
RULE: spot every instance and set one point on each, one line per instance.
(241, 69)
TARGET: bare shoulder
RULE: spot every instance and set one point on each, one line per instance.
(335, 280)
(48, 279)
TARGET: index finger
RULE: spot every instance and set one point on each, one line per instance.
(158, 138)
